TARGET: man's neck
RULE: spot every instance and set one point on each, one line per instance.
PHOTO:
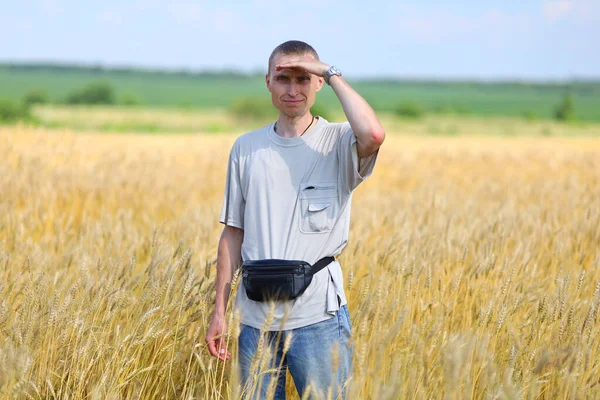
(290, 127)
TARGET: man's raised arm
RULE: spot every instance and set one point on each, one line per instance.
(360, 114)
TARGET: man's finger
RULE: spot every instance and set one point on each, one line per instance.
(223, 354)
(212, 349)
(221, 347)
(289, 66)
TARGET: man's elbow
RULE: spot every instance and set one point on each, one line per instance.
(374, 140)
(376, 137)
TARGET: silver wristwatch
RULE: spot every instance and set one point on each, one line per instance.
(331, 72)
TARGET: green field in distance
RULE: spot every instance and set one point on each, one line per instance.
(221, 89)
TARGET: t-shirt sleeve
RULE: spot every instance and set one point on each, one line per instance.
(353, 169)
(234, 204)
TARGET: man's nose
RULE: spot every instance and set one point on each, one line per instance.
(292, 89)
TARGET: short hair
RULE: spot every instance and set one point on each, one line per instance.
(292, 47)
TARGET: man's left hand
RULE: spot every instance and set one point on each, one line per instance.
(308, 64)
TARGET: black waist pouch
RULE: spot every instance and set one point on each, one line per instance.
(279, 280)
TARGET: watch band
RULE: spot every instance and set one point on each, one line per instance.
(333, 70)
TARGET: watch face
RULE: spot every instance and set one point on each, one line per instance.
(332, 71)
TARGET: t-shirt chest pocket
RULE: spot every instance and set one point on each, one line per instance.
(318, 207)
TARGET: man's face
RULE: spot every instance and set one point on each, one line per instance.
(293, 91)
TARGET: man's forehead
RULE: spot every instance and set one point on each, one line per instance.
(282, 57)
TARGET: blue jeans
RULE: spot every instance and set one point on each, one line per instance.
(318, 356)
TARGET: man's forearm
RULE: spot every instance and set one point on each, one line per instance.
(228, 259)
(360, 115)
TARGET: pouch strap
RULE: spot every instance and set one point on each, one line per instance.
(322, 263)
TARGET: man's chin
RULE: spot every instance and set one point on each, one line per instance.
(293, 113)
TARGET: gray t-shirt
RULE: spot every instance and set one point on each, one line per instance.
(292, 197)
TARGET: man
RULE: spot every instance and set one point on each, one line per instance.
(288, 194)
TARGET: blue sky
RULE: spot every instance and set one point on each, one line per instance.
(538, 39)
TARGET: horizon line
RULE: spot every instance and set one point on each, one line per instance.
(109, 67)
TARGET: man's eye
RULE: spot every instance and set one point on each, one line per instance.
(282, 78)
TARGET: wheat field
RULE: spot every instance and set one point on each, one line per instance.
(472, 272)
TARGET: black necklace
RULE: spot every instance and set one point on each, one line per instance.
(311, 122)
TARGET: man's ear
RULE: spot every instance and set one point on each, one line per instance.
(320, 82)
(268, 81)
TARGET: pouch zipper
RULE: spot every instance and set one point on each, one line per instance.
(269, 270)
(288, 277)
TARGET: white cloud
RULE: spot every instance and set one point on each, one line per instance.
(220, 19)
(584, 11)
(557, 9)
(186, 11)
(225, 21)
(147, 4)
(50, 7)
(111, 17)
(436, 25)
(10, 25)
